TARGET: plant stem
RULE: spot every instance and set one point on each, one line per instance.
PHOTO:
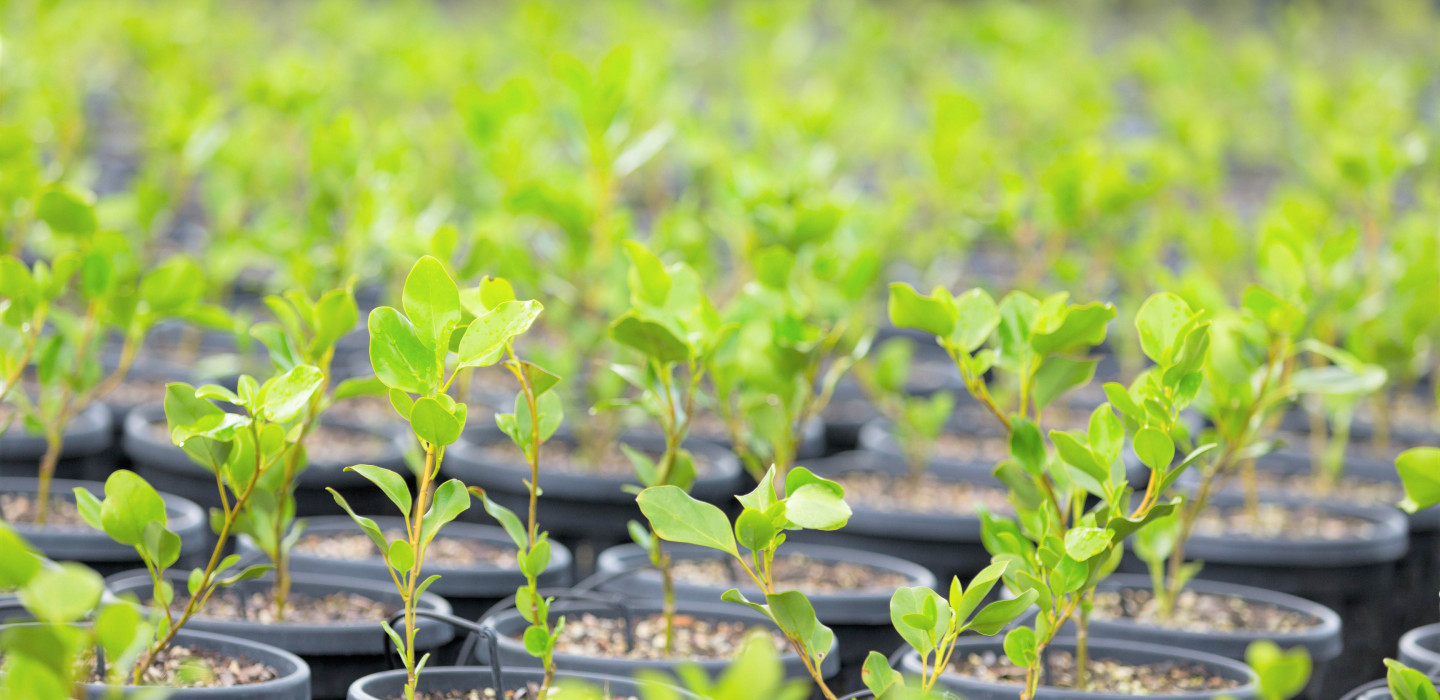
(1082, 642)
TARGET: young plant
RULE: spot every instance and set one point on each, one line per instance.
(58, 317)
(1282, 674)
(1250, 375)
(756, 672)
(44, 660)
(793, 343)
(241, 449)
(1060, 547)
(1407, 683)
(931, 625)
(410, 352)
(304, 334)
(918, 421)
(806, 501)
(672, 326)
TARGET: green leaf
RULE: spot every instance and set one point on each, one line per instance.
(537, 641)
(400, 358)
(1283, 674)
(818, 505)
(1078, 455)
(1058, 375)
(773, 266)
(249, 573)
(402, 555)
(1027, 446)
(1082, 543)
(753, 530)
(130, 505)
(117, 627)
(433, 424)
(677, 517)
(916, 613)
(451, 499)
(67, 210)
(878, 676)
(21, 561)
(391, 483)
(792, 612)
(63, 593)
(980, 586)
(648, 280)
(484, 341)
(507, 518)
(552, 413)
(172, 285)
(1020, 646)
(1155, 448)
(908, 309)
(995, 616)
(432, 301)
(1081, 326)
(1407, 683)
(976, 318)
(1419, 469)
(1158, 321)
(285, 396)
(367, 525)
(359, 386)
(650, 338)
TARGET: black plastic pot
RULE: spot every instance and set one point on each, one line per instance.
(470, 590)
(1322, 641)
(391, 684)
(1417, 575)
(161, 462)
(95, 549)
(157, 370)
(508, 625)
(589, 510)
(1353, 577)
(946, 544)
(341, 652)
(1126, 652)
(85, 455)
(860, 619)
(1374, 690)
(292, 681)
(1420, 649)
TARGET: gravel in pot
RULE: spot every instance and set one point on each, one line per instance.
(1217, 618)
(980, 670)
(67, 537)
(933, 522)
(594, 639)
(242, 670)
(849, 589)
(476, 563)
(472, 682)
(1341, 556)
(584, 501)
(86, 453)
(333, 623)
(330, 448)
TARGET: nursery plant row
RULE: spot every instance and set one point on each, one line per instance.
(292, 535)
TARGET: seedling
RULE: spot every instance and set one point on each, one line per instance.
(58, 316)
(1282, 674)
(243, 450)
(1407, 683)
(918, 421)
(756, 672)
(1060, 548)
(672, 326)
(806, 502)
(931, 625)
(793, 344)
(411, 355)
(304, 334)
(43, 661)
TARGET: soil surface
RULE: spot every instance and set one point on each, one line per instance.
(696, 639)
(183, 667)
(260, 607)
(1276, 521)
(530, 692)
(370, 411)
(449, 552)
(1348, 489)
(564, 457)
(928, 494)
(1106, 675)
(1201, 612)
(20, 508)
(137, 391)
(985, 449)
(793, 572)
